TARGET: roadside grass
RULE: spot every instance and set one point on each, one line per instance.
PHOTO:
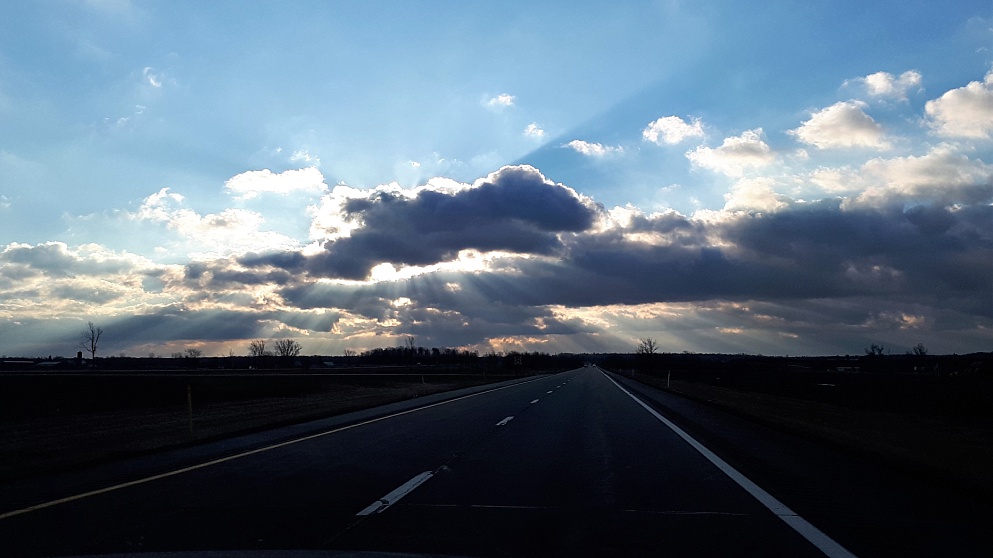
(64, 431)
(952, 450)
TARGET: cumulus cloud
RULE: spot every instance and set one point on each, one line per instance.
(500, 102)
(942, 175)
(841, 125)
(592, 149)
(534, 131)
(252, 184)
(966, 112)
(670, 130)
(885, 84)
(514, 258)
(736, 154)
(230, 231)
(515, 209)
(756, 194)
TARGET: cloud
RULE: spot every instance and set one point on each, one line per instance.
(500, 102)
(942, 176)
(670, 130)
(252, 184)
(515, 209)
(228, 232)
(841, 125)
(516, 260)
(592, 149)
(756, 194)
(884, 84)
(966, 112)
(150, 77)
(735, 155)
(534, 131)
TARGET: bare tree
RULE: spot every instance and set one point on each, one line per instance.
(349, 353)
(874, 350)
(90, 339)
(193, 352)
(647, 346)
(920, 350)
(257, 348)
(287, 348)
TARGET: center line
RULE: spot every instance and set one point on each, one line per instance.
(379, 506)
(535, 401)
(548, 392)
(505, 421)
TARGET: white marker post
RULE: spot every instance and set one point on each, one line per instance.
(189, 408)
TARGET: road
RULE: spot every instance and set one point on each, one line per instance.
(581, 463)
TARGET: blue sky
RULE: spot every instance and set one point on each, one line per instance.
(790, 178)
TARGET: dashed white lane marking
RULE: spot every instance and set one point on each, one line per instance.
(535, 401)
(815, 536)
(167, 474)
(548, 391)
(505, 421)
(379, 506)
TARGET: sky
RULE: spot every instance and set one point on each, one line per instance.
(779, 178)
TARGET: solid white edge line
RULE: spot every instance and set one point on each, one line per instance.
(815, 536)
(205, 464)
(380, 505)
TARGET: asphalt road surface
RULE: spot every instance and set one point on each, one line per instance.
(581, 463)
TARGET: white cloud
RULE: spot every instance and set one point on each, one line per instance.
(942, 174)
(966, 112)
(672, 130)
(251, 184)
(592, 149)
(735, 155)
(231, 231)
(755, 194)
(884, 84)
(843, 124)
(500, 102)
(153, 79)
(304, 156)
(534, 131)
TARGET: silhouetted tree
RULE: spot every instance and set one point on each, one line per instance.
(257, 348)
(874, 350)
(646, 350)
(193, 352)
(287, 348)
(647, 346)
(920, 350)
(90, 339)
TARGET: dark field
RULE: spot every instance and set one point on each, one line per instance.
(59, 421)
(938, 427)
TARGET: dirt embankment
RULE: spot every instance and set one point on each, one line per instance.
(50, 423)
(942, 429)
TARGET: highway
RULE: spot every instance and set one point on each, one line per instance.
(582, 463)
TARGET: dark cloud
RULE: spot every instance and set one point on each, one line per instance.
(811, 265)
(184, 324)
(516, 210)
(220, 275)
